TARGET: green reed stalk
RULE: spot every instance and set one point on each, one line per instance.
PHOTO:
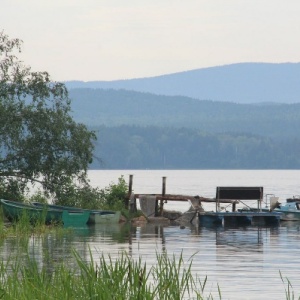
(110, 279)
(289, 291)
(122, 278)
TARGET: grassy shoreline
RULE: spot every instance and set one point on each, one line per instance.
(22, 277)
(123, 278)
(120, 278)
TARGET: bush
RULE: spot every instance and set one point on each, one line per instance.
(112, 197)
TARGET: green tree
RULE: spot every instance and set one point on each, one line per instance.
(39, 140)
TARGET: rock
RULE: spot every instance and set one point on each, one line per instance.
(158, 220)
(122, 219)
(187, 217)
(172, 214)
(139, 220)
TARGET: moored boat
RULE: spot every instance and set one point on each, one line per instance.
(290, 211)
(96, 216)
(14, 211)
(75, 218)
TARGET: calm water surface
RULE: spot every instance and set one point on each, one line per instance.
(244, 262)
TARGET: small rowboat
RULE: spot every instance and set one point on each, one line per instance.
(14, 211)
(96, 216)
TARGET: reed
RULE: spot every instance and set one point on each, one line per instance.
(123, 278)
(289, 291)
(110, 279)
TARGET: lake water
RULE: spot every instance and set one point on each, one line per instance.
(244, 262)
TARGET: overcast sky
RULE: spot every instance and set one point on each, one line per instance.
(120, 39)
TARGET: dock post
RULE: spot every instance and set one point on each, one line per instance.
(163, 194)
(130, 184)
(234, 206)
(131, 198)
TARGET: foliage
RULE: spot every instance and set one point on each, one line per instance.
(83, 196)
(111, 197)
(11, 189)
(38, 197)
(39, 140)
(115, 194)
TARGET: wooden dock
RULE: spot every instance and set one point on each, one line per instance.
(229, 195)
(164, 198)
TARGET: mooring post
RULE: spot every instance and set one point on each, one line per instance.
(234, 206)
(163, 193)
(131, 197)
(130, 184)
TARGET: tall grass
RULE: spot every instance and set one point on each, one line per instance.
(289, 291)
(122, 278)
(109, 279)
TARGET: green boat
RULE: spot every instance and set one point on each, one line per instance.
(14, 211)
(75, 218)
(96, 216)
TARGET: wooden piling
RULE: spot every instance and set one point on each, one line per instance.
(163, 193)
(131, 198)
(130, 184)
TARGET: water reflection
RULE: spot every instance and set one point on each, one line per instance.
(113, 238)
(248, 259)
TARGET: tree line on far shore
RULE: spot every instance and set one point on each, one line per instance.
(152, 147)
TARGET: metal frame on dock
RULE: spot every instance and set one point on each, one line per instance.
(238, 194)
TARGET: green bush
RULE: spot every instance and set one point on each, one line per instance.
(112, 197)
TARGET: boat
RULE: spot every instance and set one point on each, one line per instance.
(15, 211)
(96, 216)
(290, 211)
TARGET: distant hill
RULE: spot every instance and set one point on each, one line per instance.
(96, 107)
(239, 83)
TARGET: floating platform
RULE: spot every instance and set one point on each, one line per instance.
(238, 218)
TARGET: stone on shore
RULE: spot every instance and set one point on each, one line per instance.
(172, 214)
(139, 220)
(159, 220)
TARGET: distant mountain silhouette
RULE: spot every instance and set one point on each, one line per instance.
(239, 83)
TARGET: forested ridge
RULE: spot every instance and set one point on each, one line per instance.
(136, 147)
(145, 131)
(240, 83)
(96, 107)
